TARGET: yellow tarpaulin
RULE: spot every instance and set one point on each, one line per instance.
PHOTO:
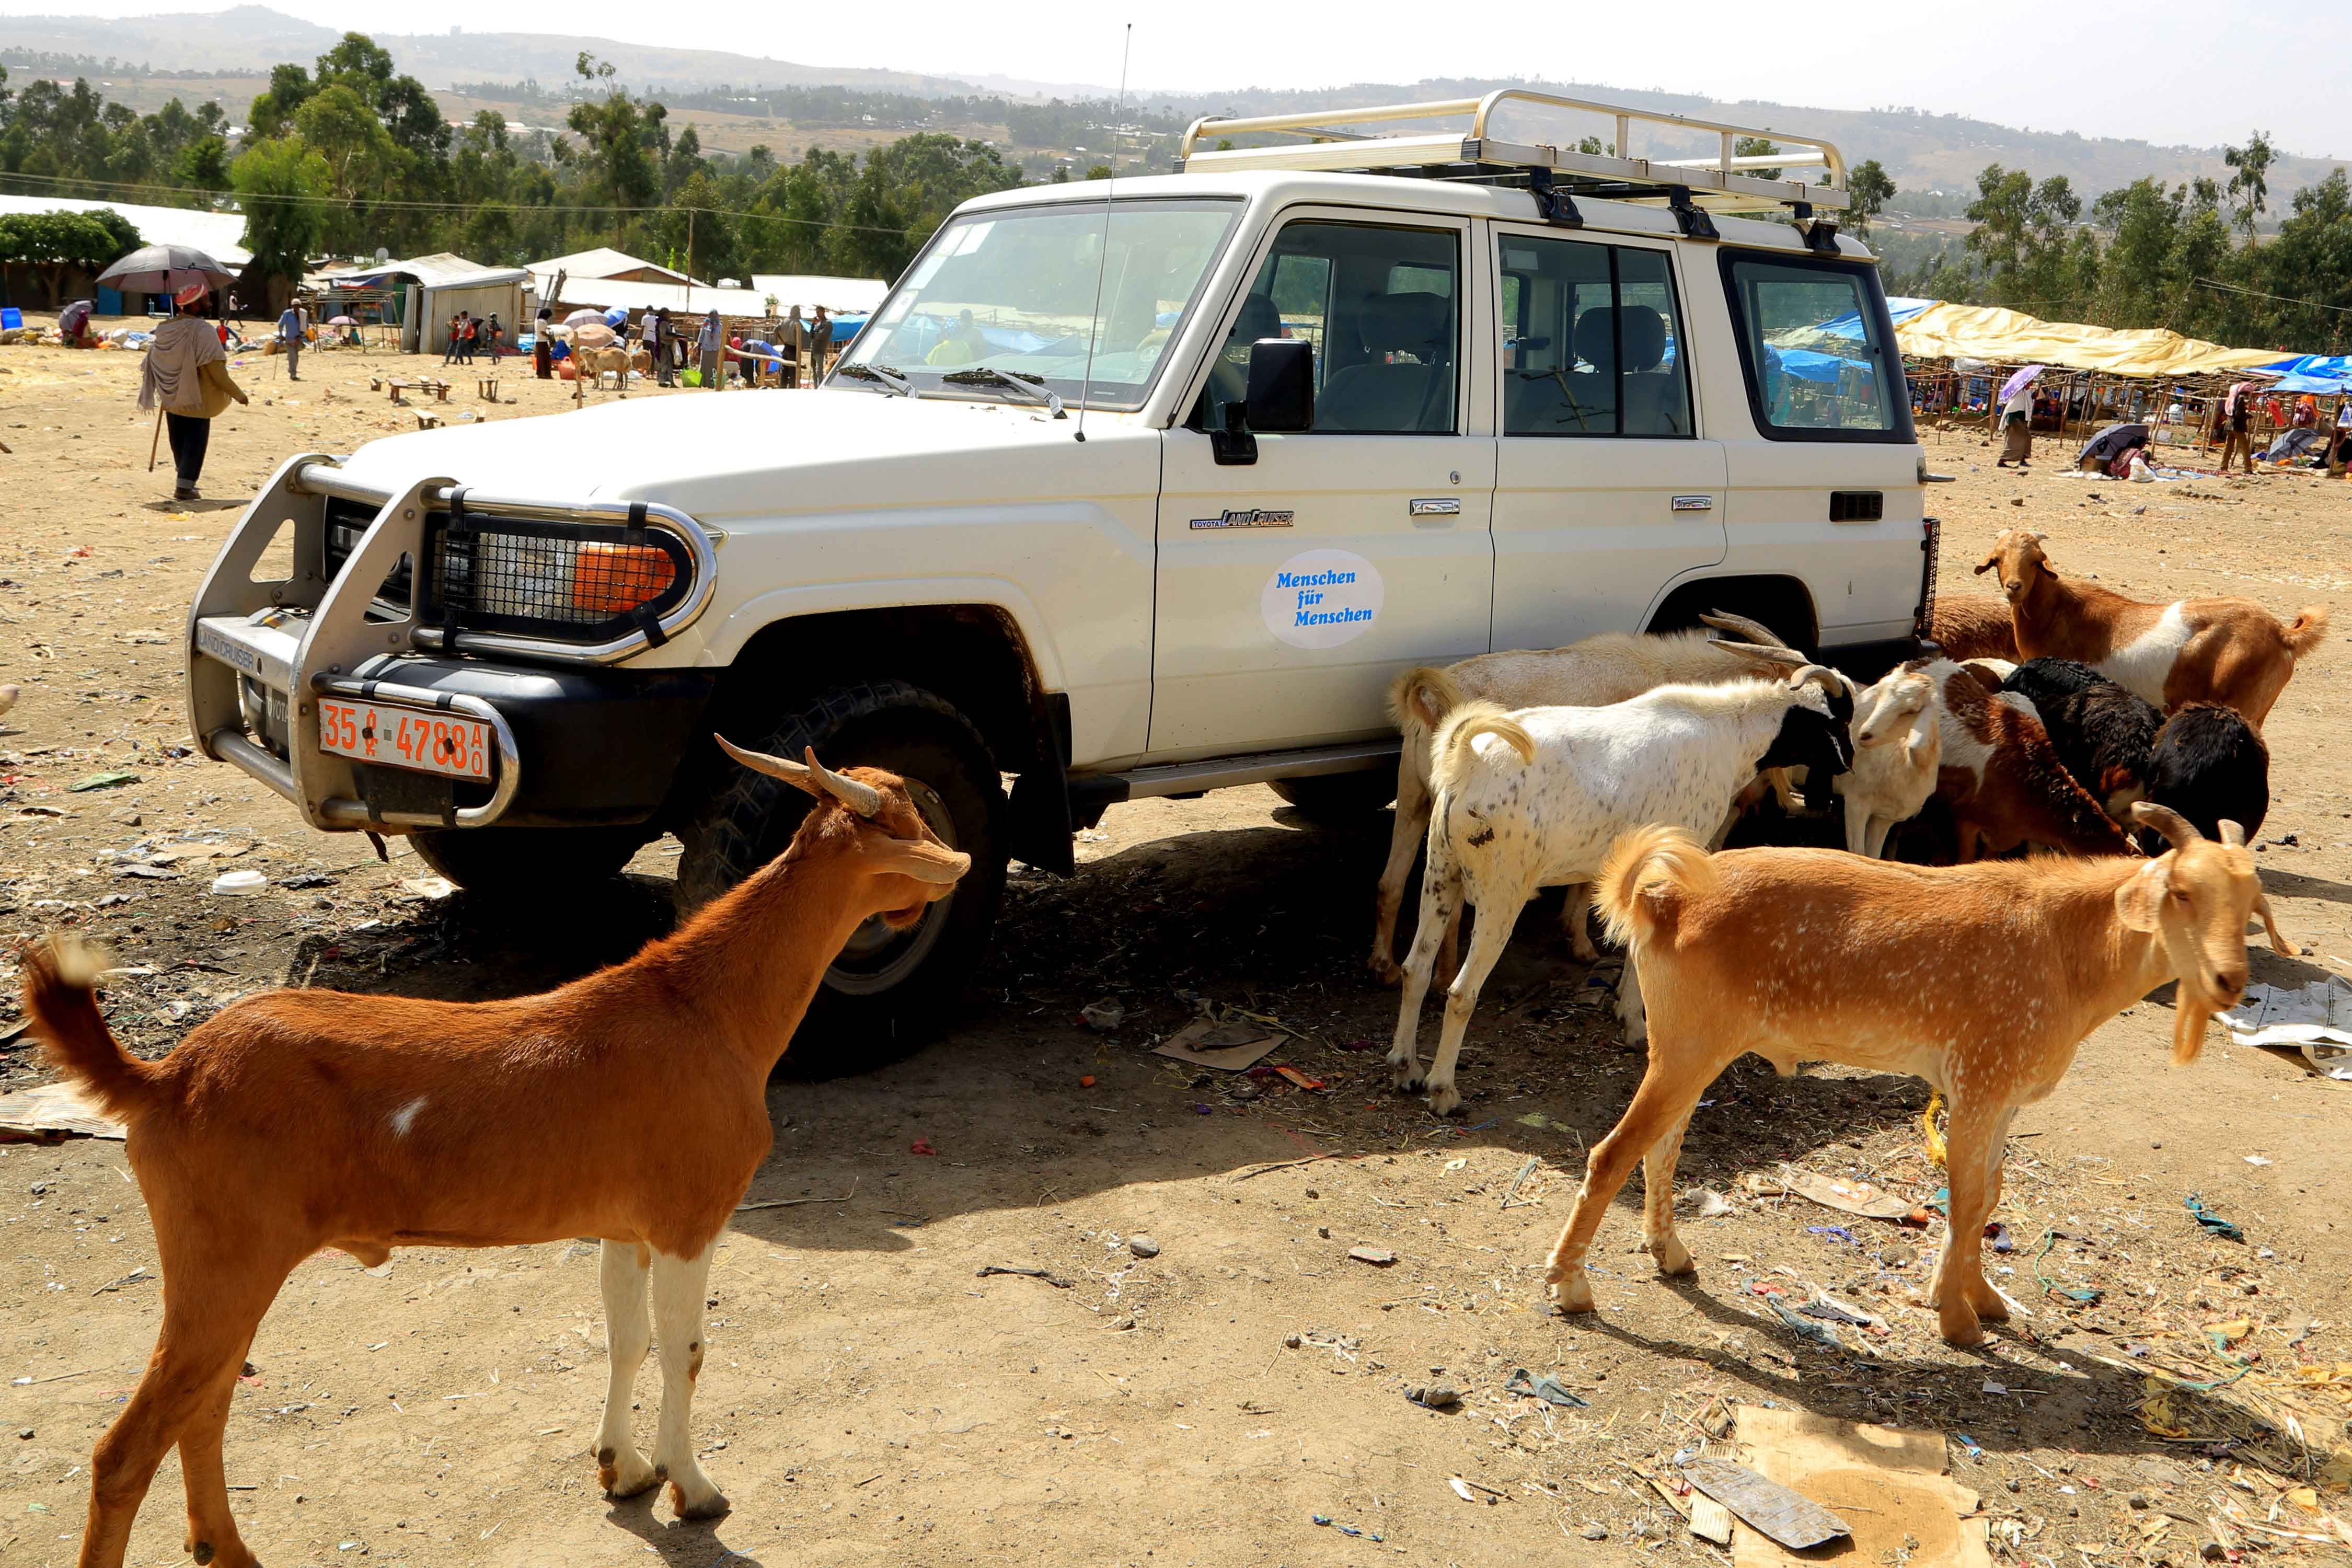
(2010, 337)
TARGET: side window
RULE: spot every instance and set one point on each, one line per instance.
(1381, 307)
(1812, 341)
(1594, 347)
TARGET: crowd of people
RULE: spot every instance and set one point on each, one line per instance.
(788, 351)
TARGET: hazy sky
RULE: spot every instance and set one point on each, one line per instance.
(2189, 74)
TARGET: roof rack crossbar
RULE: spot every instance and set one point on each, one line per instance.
(1728, 179)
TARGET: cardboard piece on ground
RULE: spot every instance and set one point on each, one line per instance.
(51, 1112)
(1709, 1520)
(1844, 1195)
(1885, 1484)
(1231, 1048)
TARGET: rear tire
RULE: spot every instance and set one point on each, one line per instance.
(886, 992)
(522, 864)
(1338, 797)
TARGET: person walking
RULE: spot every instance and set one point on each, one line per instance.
(542, 349)
(290, 341)
(495, 333)
(185, 376)
(820, 335)
(710, 345)
(449, 353)
(2017, 425)
(2237, 412)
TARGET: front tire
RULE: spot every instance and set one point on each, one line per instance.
(886, 991)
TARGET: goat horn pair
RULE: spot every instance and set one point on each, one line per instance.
(1820, 675)
(813, 776)
(1774, 654)
(1740, 627)
(2179, 828)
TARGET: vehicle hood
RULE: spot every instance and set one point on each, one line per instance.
(765, 453)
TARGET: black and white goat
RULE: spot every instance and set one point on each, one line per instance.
(2102, 732)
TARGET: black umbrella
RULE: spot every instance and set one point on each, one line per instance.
(165, 270)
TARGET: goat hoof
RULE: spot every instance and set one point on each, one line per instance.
(1966, 1333)
(1992, 1309)
(715, 1506)
(202, 1551)
(1570, 1289)
(1385, 971)
(1672, 1257)
(1443, 1101)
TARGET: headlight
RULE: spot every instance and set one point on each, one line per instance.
(574, 582)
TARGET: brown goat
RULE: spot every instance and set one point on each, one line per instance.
(2002, 779)
(1983, 980)
(1973, 625)
(629, 1105)
(2230, 651)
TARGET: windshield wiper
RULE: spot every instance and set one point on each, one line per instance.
(889, 377)
(1032, 388)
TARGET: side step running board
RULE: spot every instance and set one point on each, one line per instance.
(1224, 772)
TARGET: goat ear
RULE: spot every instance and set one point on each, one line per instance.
(917, 858)
(2139, 900)
(1923, 728)
(1988, 563)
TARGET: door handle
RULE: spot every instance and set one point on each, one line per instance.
(1434, 506)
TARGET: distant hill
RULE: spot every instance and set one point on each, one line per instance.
(1923, 151)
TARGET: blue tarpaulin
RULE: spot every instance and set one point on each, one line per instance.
(2322, 373)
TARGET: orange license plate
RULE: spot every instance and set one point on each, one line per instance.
(444, 744)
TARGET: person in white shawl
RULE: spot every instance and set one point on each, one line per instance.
(186, 377)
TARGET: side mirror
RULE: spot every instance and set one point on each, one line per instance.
(1281, 385)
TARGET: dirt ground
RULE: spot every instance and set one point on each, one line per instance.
(871, 1398)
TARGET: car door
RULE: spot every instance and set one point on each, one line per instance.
(1291, 589)
(1605, 489)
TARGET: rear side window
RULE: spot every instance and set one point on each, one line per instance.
(1817, 349)
(1592, 340)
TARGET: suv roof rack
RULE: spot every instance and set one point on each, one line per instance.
(1722, 182)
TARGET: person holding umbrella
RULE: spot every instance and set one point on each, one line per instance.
(185, 378)
(2017, 418)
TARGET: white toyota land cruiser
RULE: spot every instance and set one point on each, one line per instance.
(1324, 426)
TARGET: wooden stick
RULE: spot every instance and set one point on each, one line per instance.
(155, 441)
(1283, 1165)
(796, 1203)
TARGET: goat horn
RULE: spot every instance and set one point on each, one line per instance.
(862, 798)
(1820, 675)
(1773, 654)
(783, 768)
(2170, 823)
(2233, 834)
(1740, 626)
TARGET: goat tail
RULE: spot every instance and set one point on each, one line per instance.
(1658, 857)
(2306, 632)
(1451, 752)
(1419, 700)
(60, 979)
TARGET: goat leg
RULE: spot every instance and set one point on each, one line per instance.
(2278, 942)
(1574, 912)
(1962, 1294)
(1487, 938)
(1669, 1091)
(678, 1285)
(1666, 1249)
(621, 1469)
(1440, 898)
(1405, 835)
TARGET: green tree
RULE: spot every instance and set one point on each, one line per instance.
(55, 244)
(2249, 180)
(285, 187)
(1869, 189)
(1756, 147)
(619, 142)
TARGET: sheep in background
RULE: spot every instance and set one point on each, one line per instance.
(1534, 799)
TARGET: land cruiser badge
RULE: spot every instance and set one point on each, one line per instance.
(1249, 516)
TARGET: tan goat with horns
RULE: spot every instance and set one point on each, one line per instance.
(630, 1105)
(1982, 979)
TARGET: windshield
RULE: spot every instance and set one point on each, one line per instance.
(1016, 291)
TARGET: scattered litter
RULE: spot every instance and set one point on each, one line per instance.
(1997, 1235)
(1836, 1232)
(133, 1277)
(1103, 1017)
(1229, 1047)
(2213, 1223)
(921, 1146)
(101, 781)
(1055, 1280)
(1826, 1306)
(1434, 1396)
(1326, 1520)
(1536, 1118)
(1511, 1199)
(1460, 1489)
(2314, 1019)
(1784, 1515)
(1547, 1388)
(1086, 1081)
(1703, 1203)
(1378, 1257)
(2257, 1160)
(796, 1203)
(1293, 1075)
(1965, 1441)
(239, 884)
(1803, 1327)
(432, 888)
(1835, 1193)
(51, 1113)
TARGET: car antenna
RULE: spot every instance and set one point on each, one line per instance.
(1102, 262)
